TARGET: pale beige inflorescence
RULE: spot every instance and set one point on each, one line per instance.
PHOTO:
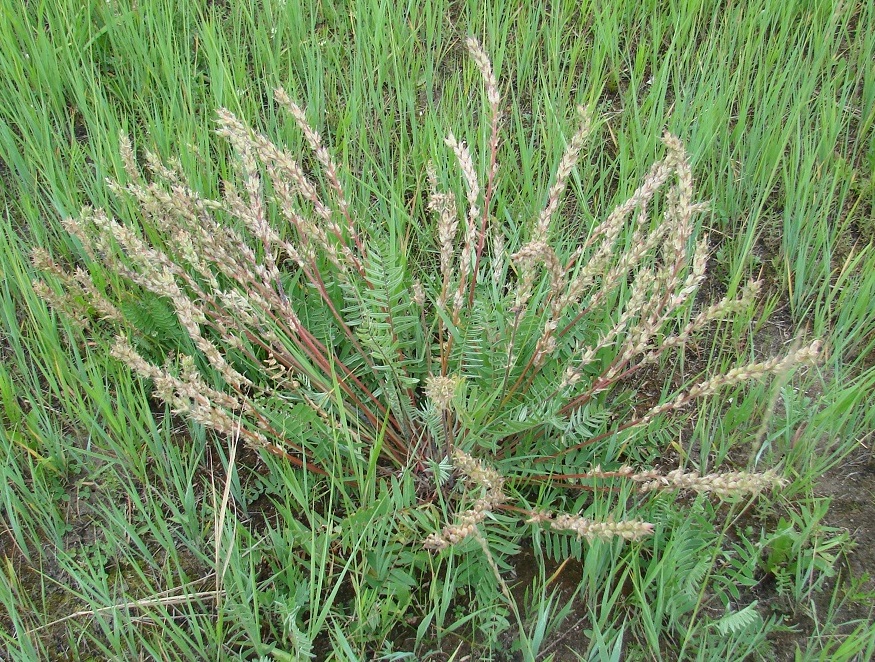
(440, 390)
(728, 484)
(592, 530)
(721, 484)
(486, 479)
(481, 477)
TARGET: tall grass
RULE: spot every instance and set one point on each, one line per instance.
(114, 512)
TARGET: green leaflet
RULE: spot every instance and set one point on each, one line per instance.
(155, 320)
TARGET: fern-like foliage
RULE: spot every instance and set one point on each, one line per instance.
(154, 325)
(387, 324)
(738, 621)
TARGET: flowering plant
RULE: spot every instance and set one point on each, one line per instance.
(307, 325)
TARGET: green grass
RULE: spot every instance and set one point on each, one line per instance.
(114, 537)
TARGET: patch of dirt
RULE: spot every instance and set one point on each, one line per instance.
(851, 486)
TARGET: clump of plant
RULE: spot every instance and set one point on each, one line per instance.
(314, 337)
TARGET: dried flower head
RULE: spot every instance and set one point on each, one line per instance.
(734, 483)
(440, 390)
(591, 530)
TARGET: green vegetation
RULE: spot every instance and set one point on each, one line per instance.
(128, 530)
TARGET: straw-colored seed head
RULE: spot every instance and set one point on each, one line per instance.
(441, 389)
